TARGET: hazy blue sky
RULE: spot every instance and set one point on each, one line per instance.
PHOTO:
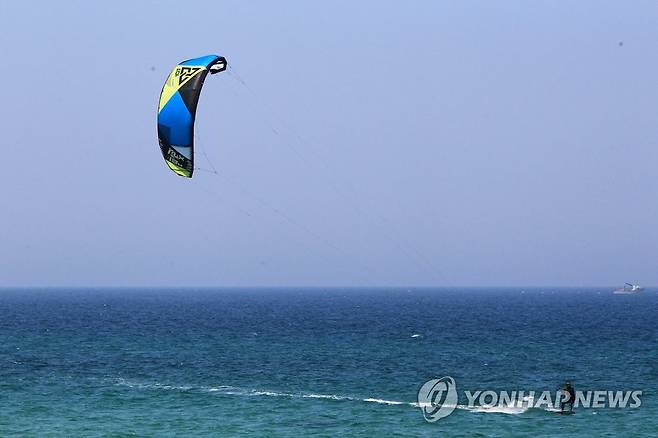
(382, 143)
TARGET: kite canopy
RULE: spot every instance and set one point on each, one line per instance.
(177, 110)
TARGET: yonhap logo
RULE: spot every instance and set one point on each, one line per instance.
(438, 398)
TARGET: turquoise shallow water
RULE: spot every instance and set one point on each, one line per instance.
(317, 362)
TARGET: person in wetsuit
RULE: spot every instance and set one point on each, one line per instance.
(571, 397)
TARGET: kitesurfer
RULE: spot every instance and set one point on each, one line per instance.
(570, 395)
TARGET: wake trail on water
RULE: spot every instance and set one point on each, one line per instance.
(246, 392)
(228, 390)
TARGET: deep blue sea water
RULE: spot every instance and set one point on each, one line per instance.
(326, 362)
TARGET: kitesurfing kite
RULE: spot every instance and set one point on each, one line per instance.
(177, 110)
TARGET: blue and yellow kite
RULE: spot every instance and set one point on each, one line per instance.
(177, 110)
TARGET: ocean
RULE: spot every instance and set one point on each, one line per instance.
(318, 362)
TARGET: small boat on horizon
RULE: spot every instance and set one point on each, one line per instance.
(629, 289)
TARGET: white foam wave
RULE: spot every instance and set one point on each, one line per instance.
(220, 388)
(244, 392)
(384, 402)
(428, 404)
(272, 393)
(327, 396)
(514, 409)
(510, 410)
(517, 408)
(140, 385)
